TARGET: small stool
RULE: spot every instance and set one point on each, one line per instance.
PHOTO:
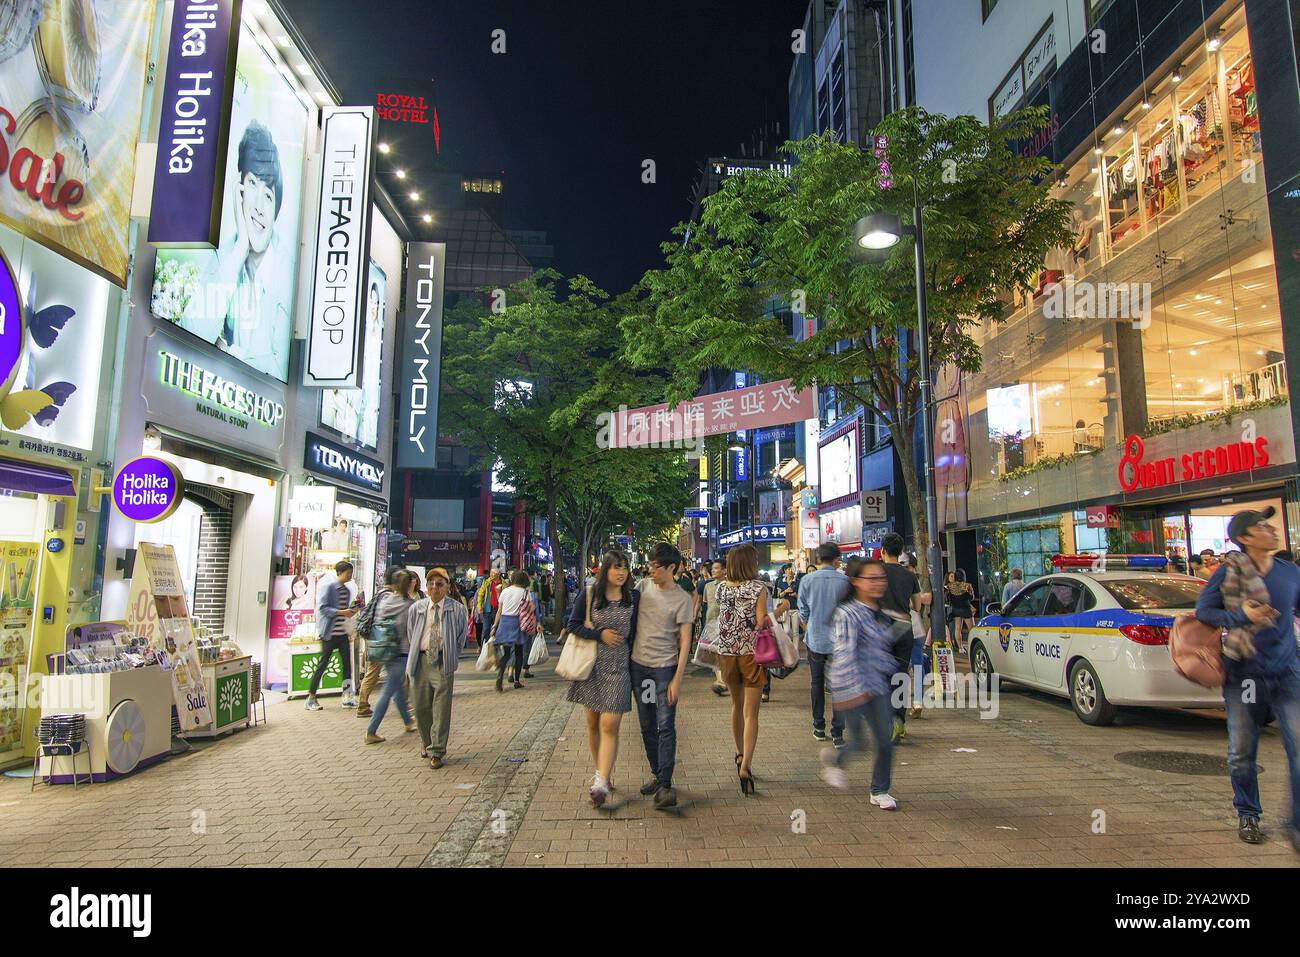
(50, 744)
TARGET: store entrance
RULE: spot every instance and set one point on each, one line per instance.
(1192, 527)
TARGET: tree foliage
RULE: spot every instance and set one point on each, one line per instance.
(988, 223)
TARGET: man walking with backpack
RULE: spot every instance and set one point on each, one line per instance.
(820, 593)
(1255, 598)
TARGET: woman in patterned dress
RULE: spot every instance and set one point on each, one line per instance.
(607, 692)
(742, 610)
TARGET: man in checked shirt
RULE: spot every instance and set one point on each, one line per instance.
(861, 668)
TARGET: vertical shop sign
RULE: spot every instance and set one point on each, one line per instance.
(335, 343)
(195, 126)
(417, 431)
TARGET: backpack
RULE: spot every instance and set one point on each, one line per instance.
(366, 620)
(1197, 651)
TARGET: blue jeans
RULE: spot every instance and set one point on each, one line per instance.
(658, 719)
(1282, 697)
(878, 714)
(394, 672)
(817, 664)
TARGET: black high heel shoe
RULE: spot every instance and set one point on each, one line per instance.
(746, 784)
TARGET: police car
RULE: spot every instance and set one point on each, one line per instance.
(1096, 631)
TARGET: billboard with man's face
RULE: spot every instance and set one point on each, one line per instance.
(240, 297)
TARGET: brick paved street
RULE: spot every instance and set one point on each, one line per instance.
(304, 791)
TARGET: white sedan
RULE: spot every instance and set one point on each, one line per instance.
(1101, 639)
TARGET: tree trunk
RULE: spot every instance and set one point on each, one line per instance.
(557, 556)
(906, 449)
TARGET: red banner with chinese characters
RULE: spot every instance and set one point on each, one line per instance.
(760, 406)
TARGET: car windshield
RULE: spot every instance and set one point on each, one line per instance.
(1138, 593)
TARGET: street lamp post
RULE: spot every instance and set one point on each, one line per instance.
(881, 231)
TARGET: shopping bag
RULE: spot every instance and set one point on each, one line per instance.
(706, 656)
(577, 659)
(539, 652)
(487, 657)
(786, 646)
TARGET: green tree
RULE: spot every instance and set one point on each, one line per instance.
(989, 222)
(524, 385)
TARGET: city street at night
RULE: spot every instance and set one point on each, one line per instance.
(800, 434)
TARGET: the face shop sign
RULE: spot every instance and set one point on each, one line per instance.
(345, 465)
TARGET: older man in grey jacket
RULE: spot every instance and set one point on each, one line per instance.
(438, 627)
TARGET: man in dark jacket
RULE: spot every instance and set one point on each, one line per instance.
(1262, 664)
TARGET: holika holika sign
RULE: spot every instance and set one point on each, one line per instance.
(335, 341)
(195, 126)
(148, 489)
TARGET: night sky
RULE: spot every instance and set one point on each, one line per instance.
(584, 93)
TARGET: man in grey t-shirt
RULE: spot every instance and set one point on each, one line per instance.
(659, 655)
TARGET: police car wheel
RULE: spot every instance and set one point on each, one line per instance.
(1087, 696)
(980, 664)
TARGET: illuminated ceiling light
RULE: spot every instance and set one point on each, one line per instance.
(427, 217)
(1215, 42)
(1259, 352)
(400, 173)
(385, 148)
(1118, 129)
(1097, 150)
(1191, 352)
(415, 197)
(1146, 104)
(1178, 74)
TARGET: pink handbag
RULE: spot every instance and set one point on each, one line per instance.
(766, 651)
(1197, 651)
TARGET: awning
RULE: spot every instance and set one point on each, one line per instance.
(37, 479)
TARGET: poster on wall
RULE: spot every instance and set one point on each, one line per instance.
(54, 397)
(354, 413)
(293, 602)
(72, 76)
(240, 297)
(18, 562)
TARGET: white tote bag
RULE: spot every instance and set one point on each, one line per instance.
(579, 655)
(539, 652)
(787, 646)
(487, 657)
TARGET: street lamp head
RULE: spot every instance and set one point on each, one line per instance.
(878, 231)
(736, 447)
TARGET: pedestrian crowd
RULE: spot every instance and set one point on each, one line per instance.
(629, 633)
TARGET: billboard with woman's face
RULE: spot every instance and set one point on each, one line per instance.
(354, 413)
(240, 296)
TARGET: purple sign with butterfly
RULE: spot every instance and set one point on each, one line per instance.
(11, 327)
(60, 318)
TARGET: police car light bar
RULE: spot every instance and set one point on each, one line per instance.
(1110, 562)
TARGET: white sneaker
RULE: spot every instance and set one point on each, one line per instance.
(599, 792)
(313, 704)
(835, 777)
(349, 702)
(885, 802)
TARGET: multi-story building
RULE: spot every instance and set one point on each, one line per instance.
(1138, 395)
(843, 81)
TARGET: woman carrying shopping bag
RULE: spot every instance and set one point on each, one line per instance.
(742, 612)
(507, 634)
(605, 614)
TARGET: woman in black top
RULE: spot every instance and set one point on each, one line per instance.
(959, 595)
